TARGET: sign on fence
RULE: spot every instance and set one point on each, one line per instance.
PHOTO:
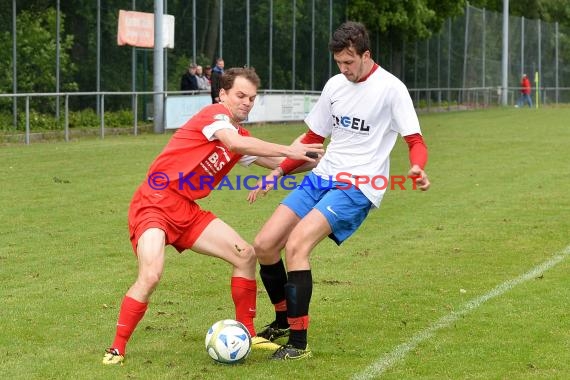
(137, 29)
(267, 108)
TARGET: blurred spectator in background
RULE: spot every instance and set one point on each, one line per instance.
(525, 93)
(203, 82)
(189, 81)
(208, 73)
(217, 72)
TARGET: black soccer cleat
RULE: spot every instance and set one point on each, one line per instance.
(273, 332)
(288, 352)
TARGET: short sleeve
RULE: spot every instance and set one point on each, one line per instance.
(221, 121)
(247, 160)
(404, 118)
(319, 118)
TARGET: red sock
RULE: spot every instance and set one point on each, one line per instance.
(281, 306)
(130, 314)
(299, 323)
(244, 294)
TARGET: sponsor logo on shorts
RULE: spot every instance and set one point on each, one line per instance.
(331, 210)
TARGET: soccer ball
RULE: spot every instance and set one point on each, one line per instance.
(228, 341)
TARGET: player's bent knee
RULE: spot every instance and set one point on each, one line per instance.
(248, 252)
(247, 257)
(296, 249)
(149, 279)
(263, 247)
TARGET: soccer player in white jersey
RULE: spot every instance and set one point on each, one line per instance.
(363, 110)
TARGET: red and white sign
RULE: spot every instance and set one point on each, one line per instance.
(137, 29)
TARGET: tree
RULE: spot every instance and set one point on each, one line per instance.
(546, 10)
(36, 54)
(397, 22)
(406, 20)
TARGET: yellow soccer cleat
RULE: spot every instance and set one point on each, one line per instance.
(260, 343)
(113, 357)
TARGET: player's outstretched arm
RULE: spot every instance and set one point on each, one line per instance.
(256, 147)
(276, 172)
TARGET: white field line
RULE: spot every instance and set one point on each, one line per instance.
(388, 360)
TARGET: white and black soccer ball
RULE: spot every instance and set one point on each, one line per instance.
(228, 341)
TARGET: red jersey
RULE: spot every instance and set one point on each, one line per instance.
(193, 163)
(525, 84)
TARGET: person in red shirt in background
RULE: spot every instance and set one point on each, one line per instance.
(164, 211)
(525, 92)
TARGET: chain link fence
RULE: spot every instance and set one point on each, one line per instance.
(462, 64)
(459, 68)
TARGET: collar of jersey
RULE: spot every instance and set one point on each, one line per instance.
(372, 70)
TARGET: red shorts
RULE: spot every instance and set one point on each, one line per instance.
(181, 220)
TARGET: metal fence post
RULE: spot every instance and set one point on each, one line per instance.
(102, 116)
(465, 44)
(27, 120)
(556, 39)
(136, 115)
(66, 125)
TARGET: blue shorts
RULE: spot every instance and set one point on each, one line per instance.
(345, 209)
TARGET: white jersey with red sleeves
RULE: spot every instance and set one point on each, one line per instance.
(363, 121)
(194, 160)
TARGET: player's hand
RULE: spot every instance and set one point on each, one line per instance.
(307, 152)
(269, 184)
(420, 177)
(259, 192)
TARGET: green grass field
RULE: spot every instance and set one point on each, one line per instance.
(426, 289)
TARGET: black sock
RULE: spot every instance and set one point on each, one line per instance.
(298, 339)
(281, 319)
(299, 289)
(274, 279)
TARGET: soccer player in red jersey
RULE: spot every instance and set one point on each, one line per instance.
(163, 210)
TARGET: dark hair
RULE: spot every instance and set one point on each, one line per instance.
(229, 76)
(350, 34)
